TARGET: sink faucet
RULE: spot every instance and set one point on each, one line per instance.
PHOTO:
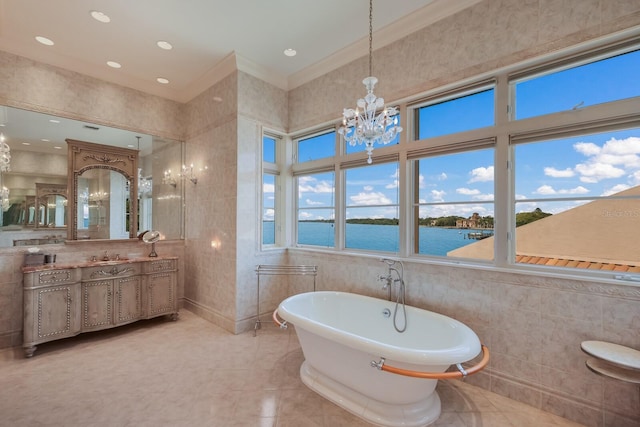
(105, 257)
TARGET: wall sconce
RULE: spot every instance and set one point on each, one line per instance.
(187, 172)
(169, 179)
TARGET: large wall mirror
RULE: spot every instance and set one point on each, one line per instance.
(36, 200)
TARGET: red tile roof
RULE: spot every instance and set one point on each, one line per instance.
(572, 263)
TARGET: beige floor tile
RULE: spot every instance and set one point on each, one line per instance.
(192, 373)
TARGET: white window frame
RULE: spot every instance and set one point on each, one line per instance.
(501, 134)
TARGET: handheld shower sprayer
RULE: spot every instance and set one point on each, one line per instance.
(400, 295)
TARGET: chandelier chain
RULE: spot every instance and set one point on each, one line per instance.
(370, 122)
(371, 37)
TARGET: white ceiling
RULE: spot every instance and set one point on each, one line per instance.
(207, 37)
(206, 33)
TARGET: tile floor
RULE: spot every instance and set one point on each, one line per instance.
(192, 373)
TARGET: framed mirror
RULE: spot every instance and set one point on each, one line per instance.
(50, 205)
(39, 155)
(103, 191)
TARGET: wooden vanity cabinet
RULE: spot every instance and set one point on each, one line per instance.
(51, 306)
(160, 288)
(111, 296)
(61, 302)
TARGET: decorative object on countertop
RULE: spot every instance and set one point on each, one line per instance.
(150, 236)
(33, 257)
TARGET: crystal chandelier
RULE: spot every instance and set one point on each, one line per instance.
(4, 198)
(5, 155)
(144, 184)
(366, 124)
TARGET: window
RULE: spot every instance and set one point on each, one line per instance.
(268, 149)
(455, 115)
(559, 192)
(372, 211)
(319, 146)
(270, 174)
(268, 209)
(453, 202)
(316, 210)
(607, 80)
(578, 201)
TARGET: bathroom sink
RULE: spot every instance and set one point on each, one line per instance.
(109, 262)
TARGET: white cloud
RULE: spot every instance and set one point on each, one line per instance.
(587, 148)
(394, 184)
(268, 215)
(368, 199)
(308, 184)
(594, 172)
(313, 203)
(442, 177)
(546, 190)
(484, 197)
(421, 181)
(368, 188)
(268, 188)
(616, 189)
(555, 173)
(438, 196)
(481, 174)
(467, 191)
(608, 161)
(302, 215)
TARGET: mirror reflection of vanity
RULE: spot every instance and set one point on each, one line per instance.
(39, 156)
(50, 206)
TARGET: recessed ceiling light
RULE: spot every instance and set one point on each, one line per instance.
(99, 16)
(54, 121)
(162, 80)
(217, 99)
(164, 45)
(290, 52)
(58, 147)
(44, 140)
(114, 64)
(130, 145)
(26, 143)
(45, 41)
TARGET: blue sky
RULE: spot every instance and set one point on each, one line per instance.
(585, 166)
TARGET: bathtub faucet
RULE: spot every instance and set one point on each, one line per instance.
(387, 282)
(400, 293)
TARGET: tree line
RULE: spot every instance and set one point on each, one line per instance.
(522, 218)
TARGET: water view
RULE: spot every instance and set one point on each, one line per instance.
(433, 240)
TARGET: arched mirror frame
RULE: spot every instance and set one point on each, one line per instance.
(83, 156)
(44, 190)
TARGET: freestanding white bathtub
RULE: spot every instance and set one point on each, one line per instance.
(342, 333)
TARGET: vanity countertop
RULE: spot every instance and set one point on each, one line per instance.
(87, 263)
